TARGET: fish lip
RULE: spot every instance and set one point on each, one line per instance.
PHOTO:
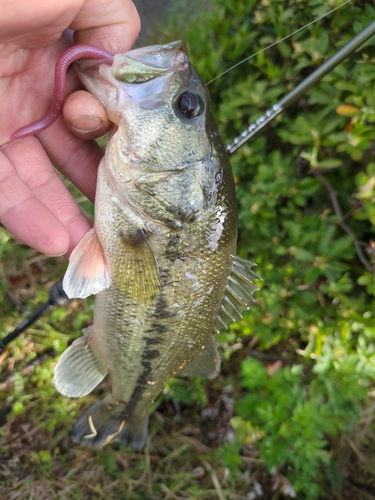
(160, 59)
(159, 54)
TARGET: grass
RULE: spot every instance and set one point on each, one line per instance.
(184, 457)
(38, 459)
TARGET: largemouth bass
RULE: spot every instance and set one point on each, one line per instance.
(161, 255)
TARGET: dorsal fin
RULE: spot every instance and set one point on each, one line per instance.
(239, 293)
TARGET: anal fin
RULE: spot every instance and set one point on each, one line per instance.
(87, 273)
(79, 370)
(206, 364)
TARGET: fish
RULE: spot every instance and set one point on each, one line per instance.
(161, 257)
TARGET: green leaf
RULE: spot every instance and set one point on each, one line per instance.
(339, 248)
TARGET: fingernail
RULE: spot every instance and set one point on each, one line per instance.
(56, 254)
(85, 123)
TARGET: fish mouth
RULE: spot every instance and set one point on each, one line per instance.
(140, 65)
(149, 61)
(158, 58)
(116, 81)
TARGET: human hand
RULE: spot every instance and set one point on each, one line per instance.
(34, 203)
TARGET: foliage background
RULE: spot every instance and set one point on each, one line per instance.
(292, 413)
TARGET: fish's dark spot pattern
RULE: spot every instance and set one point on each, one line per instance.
(153, 340)
(156, 328)
(172, 250)
(135, 238)
(140, 384)
(161, 310)
(164, 274)
(155, 335)
(152, 354)
(147, 366)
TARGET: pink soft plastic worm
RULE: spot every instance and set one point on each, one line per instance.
(62, 64)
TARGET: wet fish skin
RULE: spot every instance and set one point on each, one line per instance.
(162, 249)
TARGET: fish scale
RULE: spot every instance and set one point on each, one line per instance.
(161, 257)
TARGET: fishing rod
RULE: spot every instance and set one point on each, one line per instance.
(57, 296)
(301, 89)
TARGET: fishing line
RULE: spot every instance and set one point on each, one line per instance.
(278, 41)
(302, 88)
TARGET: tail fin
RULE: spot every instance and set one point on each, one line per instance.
(104, 422)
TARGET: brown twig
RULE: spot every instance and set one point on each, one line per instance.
(355, 449)
(337, 210)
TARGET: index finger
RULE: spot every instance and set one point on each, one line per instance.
(111, 25)
(118, 29)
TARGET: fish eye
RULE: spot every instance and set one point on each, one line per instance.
(189, 104)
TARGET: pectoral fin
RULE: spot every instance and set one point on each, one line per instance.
(239, 293)
(79, 370)
(87, 272)
(206, 364)
(137, 270)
